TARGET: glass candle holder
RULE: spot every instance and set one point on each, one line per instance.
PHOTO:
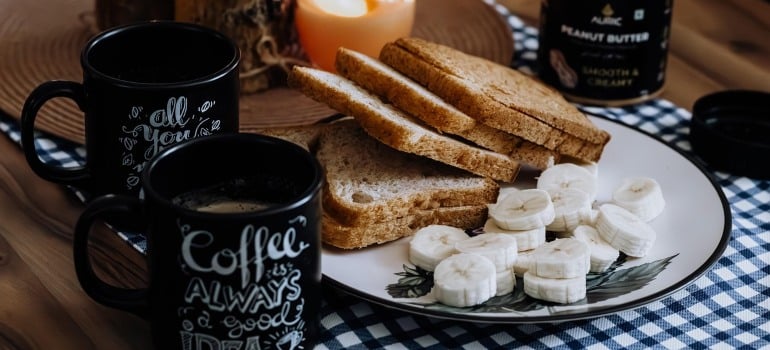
(360, 25)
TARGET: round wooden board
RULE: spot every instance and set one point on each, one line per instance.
(41, 40)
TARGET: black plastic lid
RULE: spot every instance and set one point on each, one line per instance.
(730, 131)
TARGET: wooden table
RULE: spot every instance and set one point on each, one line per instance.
(715, 45)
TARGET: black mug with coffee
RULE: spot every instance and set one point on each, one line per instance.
(234, 252)
(146, 86)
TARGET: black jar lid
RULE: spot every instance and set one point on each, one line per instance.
(730, 131)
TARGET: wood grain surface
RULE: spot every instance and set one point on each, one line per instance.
(716, 45)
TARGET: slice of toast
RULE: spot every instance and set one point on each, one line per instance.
(395, 128)
(369, 182)
(409, 96)
(359, 236)
(498, 96)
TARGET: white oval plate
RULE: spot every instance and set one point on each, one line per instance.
(693, 232)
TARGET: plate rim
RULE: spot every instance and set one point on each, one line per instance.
(591, 313)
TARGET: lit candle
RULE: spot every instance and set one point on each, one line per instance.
(361, 25)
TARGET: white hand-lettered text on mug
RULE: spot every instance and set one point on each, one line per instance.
(250, 288)
(144, 135)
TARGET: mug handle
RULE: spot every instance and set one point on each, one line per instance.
(132, 300)
(37, 98)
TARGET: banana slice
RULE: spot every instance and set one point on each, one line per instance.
(591, 166)
(434, 243)
(642, 196)
(557, 290)
(561, 258)
(523, 210)
(624, 230)
(525, 239)
(568, 175)
(499, 248)
(572, 207)
(504, 191)
(523, 262)
(464, 279)
(506, 282)
(594, 215)
(602, 253)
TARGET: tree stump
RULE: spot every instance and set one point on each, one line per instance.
(263, 30)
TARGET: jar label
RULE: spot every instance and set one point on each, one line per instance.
(603, 51)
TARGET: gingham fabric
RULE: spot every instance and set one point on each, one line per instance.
(727, 308)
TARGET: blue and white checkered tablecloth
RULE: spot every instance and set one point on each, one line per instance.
(727, 308)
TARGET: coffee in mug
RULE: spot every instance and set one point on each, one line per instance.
(234, 247)
(239, 195)
(146, 86)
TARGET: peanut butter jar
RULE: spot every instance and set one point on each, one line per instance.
(608, 53)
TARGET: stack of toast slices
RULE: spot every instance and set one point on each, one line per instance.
(375, 194)
(429, 135)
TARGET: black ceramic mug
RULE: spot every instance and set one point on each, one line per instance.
(233, 245)
(145, 87)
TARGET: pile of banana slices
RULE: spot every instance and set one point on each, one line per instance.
(469, 270)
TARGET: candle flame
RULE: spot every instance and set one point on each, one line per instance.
(345, 8)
